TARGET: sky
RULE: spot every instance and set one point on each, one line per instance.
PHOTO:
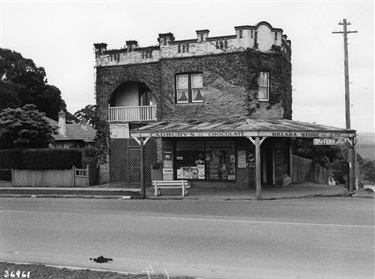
(59, 36)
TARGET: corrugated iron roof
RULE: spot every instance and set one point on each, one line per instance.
(241, 125)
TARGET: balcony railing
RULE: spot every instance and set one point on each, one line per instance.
(132, 114)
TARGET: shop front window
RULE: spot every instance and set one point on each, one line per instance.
(190, 160)
(206, 160)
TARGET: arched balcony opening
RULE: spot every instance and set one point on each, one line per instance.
(132, 102)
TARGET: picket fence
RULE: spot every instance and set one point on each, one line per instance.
(306, 170)
(55, 178)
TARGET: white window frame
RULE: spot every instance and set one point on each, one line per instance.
(183, 89)
(264, 85)
(194, 90)
(191, 91)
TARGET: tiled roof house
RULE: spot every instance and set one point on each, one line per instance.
(72, 135)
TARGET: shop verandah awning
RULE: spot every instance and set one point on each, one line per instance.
(256, 130)
(241, 128)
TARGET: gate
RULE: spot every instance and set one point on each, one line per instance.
(134, 165)
(118, 160)
(125, 161)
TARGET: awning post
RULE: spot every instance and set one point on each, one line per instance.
(142, 142)
(258, 183)
(143, 182)
(352, 165)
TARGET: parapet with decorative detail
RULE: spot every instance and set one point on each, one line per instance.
(261, 37)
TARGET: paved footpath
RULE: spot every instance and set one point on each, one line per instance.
(107, 191)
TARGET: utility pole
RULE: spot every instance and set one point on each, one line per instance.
(345, 32)
(351, 158)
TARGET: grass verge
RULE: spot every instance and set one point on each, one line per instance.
(39, 271)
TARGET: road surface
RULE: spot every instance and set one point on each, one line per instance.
(296, 238)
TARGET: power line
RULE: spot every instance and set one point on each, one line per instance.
(359, 8)
(362, 86)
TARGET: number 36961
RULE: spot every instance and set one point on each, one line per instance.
(16, 274)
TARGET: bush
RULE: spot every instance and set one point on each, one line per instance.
(24, 128)
(40, 159)
(90, 156)
(9, 158)
(339, 171)
(5, 175)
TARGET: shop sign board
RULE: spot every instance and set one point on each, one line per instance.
(167, 174)
(304, 134)
(220, 145)
(167, 164)
(167, 171)
(279, 134)
(198, 134)
(190, 145)
(328, 141)
(241, 154)
(197, 172)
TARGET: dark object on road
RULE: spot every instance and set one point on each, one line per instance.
(101, 259)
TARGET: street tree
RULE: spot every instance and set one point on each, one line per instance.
(8, 96)
(22, 82)
(24, 127)
(88, 114)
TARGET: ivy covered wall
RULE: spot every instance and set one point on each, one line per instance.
(230, 86)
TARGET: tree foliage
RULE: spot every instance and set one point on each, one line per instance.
(8, 96)
(24, 128)
(22, 82)
(88, 115)
(368, 171)
(321, 154)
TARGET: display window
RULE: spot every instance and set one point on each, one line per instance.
(205, 160)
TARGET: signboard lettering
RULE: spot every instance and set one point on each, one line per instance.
(225, 134)
(306, 135)
(327, 141)
(173, 135)
(218, 134)
(284, 134)
(197, 134)
(241, 155)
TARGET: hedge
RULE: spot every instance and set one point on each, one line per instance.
(40, 159)
(5, 175)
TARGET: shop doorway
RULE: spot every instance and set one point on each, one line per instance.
(267, 164)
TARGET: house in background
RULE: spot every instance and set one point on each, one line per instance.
(72, 135)
(214, 110)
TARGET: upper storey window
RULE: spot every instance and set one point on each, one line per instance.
(189, 88)
(264, 86)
